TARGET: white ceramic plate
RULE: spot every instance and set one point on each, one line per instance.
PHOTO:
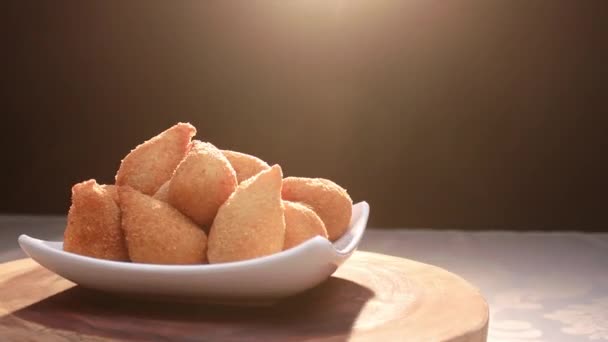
(260, 280)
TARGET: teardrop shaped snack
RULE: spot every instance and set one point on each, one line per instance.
(152, 163)
(301, 224)
(93, 227)
(250, 223)
(330, 201)
(245, 165)
(156, 233)
(202, 182)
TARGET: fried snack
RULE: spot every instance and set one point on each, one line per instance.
(112, 190)
(163, 192)
(250, 223)
(245, 165)
(152, 163)
(202, 182)
(330, 201)
(157, 233)
(93, 227)
(301, 224)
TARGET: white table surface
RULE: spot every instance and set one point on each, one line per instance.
(540, 286)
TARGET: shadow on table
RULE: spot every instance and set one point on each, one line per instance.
(327, 311)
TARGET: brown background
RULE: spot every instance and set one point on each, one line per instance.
(479, 114)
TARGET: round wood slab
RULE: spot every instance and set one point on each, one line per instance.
(371, 297)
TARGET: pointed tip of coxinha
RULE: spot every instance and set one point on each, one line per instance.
(269, 177)
(152, 163)
(201, 182)
(250, 223)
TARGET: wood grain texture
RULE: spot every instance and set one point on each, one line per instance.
(372, 297)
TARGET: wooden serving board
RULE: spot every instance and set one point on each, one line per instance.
(371, 297)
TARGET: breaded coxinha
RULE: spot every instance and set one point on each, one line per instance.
(93, 227)
(157, 233)
(112, 190)
(152, 163)
(301, 224)
(162, 194)
(330, 201)
(250, 223)
(202, 182)
(245, 165)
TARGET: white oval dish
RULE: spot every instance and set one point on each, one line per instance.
(254, 281)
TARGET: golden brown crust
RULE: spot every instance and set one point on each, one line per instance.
(301, 224)
(162, 194)
(152, 163)
(330, 201)
(245, 165)
(112, 190)
(250, 223)
(157, 233)
(202, 182)
(93, 227)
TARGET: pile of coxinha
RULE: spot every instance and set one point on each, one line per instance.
(183, 201)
